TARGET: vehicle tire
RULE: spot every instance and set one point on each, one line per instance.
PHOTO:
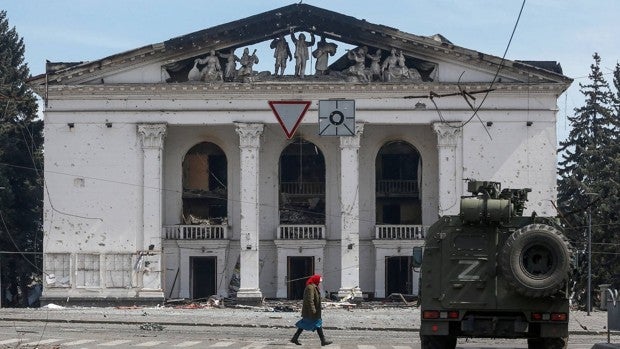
(547, 343)
(438, 342)
(535, 260)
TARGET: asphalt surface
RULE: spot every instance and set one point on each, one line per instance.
(273, 314)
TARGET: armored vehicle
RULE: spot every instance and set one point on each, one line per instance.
(491, 272)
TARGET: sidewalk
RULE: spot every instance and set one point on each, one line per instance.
(274, 314)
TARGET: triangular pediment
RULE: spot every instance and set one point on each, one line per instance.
(427, 59)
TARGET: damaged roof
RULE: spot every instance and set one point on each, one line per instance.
(302, 18)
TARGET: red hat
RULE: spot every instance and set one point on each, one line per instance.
(314, 279)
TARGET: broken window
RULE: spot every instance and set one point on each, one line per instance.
(87, 270)
(58, 269)
(205, 185)
(397, 187)
(118, 270)
(302, 184)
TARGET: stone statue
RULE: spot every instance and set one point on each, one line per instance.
(212, 71)
(375, 65)
(389, 66)
(281, 53)
(301, 52)
(247, 62)
(358, 69)
(323, 51)
(194, 73)
(394, 67)
(231, 65)
(400, 65)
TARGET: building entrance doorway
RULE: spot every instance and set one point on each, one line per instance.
(398, 275)
(204, 276)
(299, 269)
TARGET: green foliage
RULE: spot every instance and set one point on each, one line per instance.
(21, 143)
(589, 182)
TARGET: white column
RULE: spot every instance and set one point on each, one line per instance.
(449, 141)
(350, 211)
(149, 242)
(249, 145)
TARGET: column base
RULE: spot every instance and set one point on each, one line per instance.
(249, 296)
(354, 294)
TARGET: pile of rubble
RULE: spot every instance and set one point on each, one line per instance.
(393, 300)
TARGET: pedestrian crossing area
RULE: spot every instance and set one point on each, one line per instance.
(151, 343)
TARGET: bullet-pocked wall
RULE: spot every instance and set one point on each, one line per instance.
(161, 186)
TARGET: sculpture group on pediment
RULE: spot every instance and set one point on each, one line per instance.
(394, 68)
(365, 65)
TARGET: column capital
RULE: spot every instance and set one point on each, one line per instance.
(249, 134)
(152, 135)
(352, 141)
(448, 133)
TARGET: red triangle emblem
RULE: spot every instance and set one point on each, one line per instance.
(289, 114)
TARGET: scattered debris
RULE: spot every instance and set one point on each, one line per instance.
(149, 326)
(407, 299)
(284, 308)
(214, 301)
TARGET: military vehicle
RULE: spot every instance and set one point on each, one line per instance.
(491, 272)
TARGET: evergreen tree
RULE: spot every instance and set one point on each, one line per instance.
(588, 183)
(21, 141)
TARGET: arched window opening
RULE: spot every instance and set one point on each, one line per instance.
(397, 187)
(205, 185)
(302, 184)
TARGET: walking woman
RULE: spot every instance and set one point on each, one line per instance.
(311, 311)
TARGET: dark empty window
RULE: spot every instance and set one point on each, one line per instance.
(205, 185)
(302, 184)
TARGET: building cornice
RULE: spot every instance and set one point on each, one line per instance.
(279, 90)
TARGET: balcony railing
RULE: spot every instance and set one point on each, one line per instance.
(301, 232)
(397, 186)
(196, 232)
(400, 232)
(302, 188)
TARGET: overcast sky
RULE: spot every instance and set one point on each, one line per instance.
(567, 31)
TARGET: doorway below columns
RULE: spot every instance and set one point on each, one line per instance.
(204, 277)
(299, 269)
(398, 275)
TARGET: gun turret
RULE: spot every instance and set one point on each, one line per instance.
(490, 204)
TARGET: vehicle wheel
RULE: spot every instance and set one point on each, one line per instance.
(438, 342)
(535, 260)
(547, 343)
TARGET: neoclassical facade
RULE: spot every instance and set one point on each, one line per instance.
(169, 176)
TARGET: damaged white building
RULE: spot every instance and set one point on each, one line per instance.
(170, 172)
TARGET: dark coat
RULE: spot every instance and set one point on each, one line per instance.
(312, 303)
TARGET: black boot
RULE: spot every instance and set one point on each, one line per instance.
(324, 341)
(295, 338)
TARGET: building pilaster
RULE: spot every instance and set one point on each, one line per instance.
(249, 146)
(449, 142)
(349, 201)
(149, 242)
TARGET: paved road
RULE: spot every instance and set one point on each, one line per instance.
(42, 335)
(374, 327)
